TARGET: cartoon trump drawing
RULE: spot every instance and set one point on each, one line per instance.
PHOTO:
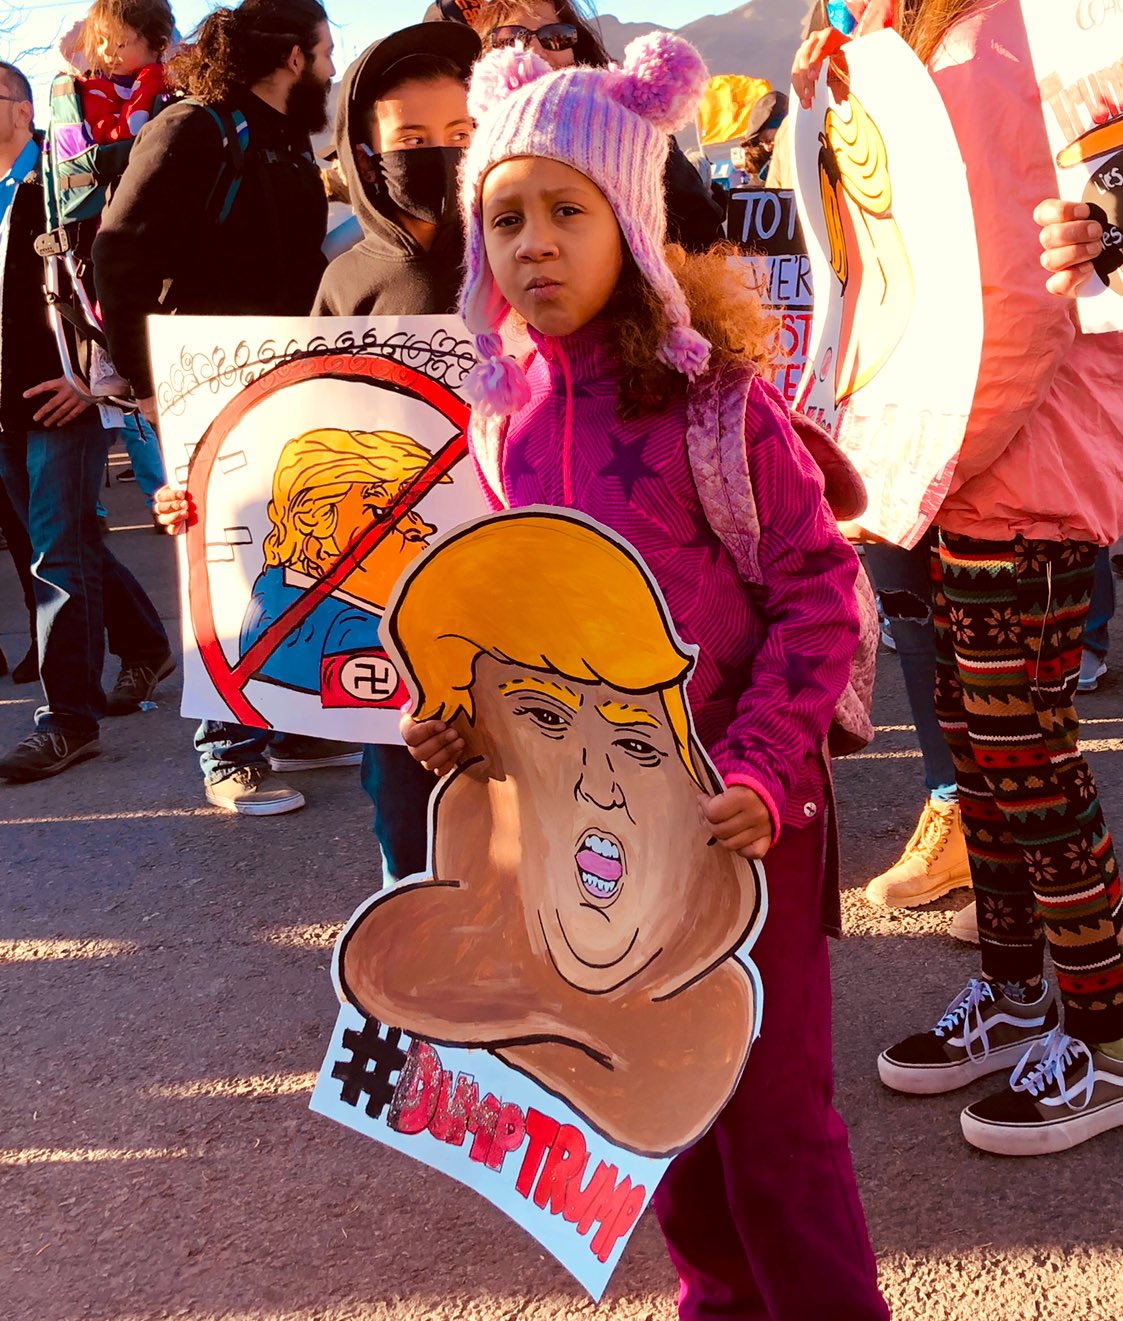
(328, 486)
(577, 921)
(867, 252)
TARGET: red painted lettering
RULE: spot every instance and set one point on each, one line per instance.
(565, 1162)
(581, 1203)
(510, 1131)
(618, 1212)
(481, 1123)
(415, 1097)
(450, 1120)
(541, 1130)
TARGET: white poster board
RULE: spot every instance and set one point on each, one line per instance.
(764, 223)
(1077, 51)
(897, 331)
(320, 456)
(565, 999)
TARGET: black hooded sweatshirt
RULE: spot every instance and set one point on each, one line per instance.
(388, 273)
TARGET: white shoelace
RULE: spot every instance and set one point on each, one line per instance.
(966, 1011)
(1058, 1052)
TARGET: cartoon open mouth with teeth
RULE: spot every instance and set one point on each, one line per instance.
(575, 921)
(600, 868)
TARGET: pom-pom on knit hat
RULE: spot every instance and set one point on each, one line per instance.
(610, 124)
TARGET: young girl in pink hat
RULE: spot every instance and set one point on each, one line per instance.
(639, 351)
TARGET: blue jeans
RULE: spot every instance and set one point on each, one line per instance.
(81, 592)
(903, 581)
(399, 788)
(224, 748)
(1102, 607)
(144, 454)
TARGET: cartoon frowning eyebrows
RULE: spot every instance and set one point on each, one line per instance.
(577, 923)
(867, 252)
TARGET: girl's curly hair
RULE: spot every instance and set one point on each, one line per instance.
(725, 307)
(240, 47)
(152, 20)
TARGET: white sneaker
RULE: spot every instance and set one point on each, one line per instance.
(253, 792)
(1061, 1093)
(980, 1032)
(1092, 670)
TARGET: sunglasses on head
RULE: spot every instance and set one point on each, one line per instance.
(554, 36)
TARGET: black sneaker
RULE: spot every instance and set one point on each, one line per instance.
(41, 755)
(981, 1032)
(3, 663)
(27, 671)
(300, 753)
(136, 684)
(1061, 1094)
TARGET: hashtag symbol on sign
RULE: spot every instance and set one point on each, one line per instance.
(376, 1057)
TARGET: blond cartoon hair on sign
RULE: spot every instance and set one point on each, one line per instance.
(317, 469)
(505, 588)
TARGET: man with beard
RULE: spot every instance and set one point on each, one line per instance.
(169, 241)
(221, 212)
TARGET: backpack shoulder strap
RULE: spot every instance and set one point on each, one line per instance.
(719, 463)
(234, 131)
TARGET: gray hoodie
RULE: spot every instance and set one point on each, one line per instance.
(388, 272)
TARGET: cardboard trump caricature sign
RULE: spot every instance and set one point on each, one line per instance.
(565, 1000)
(897, 329)
(320, 456)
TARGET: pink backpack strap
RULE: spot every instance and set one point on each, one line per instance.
(719, 461)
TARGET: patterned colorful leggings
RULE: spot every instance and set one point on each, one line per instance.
(1009, 619)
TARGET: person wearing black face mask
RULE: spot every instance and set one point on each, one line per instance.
(402, 126)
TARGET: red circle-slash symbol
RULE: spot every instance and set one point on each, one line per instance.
(230, 680)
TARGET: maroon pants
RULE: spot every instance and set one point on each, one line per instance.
(762, 1216)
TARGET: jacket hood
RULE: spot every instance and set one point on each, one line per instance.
(452, 41)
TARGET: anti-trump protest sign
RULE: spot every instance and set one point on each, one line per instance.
(565, 999)
(320, 456)
(764, 223)
(897, 330)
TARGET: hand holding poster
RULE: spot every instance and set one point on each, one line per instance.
(572, 976)
(1077, 49)
(897, 329)
(319, 457)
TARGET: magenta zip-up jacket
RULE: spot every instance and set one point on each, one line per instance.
(771, 662)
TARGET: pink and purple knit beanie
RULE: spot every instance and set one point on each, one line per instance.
(611, 124)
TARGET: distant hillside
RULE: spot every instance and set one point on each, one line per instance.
(759, 38)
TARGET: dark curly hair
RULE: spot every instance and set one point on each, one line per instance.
(239, 47)
(151, 19)
(725, 308)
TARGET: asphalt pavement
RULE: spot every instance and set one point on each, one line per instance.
(165, 1002)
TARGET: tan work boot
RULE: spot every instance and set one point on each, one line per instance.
(252, 791)
(964, 925)
(934, 862)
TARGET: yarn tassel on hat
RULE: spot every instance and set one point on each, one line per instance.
(496, 386)
(686, 351)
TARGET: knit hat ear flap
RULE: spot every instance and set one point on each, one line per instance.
(499, 74)
(662, 80)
